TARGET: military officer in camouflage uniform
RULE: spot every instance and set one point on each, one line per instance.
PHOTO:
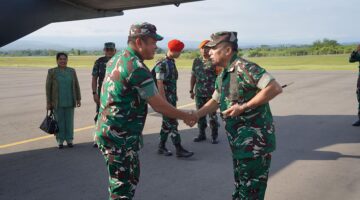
(203, 76)
(242, 92)
(355, 57)
(98, 74)
(127, 88)
(166, 75)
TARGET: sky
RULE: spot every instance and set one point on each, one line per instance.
(270, 22)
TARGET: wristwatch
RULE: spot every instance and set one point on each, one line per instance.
(94, 93)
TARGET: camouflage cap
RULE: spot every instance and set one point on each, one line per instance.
(144, 29)
(109, 45)
(223, 36)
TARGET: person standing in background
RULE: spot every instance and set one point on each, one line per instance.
(355, 57)
(62, 95)
(166, 75)
(203, 77)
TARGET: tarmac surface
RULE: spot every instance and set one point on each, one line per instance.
(317, 156)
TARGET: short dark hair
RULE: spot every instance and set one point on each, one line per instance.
(132, 39)
(234, 46)
(61, 54)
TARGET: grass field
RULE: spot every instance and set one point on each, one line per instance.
(328, 62)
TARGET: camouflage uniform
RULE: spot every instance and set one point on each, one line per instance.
(127, 85)
(251, 135)
(355, 57)
(205, 74)
(99, 70)
(165, 70)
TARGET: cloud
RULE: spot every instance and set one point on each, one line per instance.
(256, 21)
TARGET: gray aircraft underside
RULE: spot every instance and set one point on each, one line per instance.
(21, 17)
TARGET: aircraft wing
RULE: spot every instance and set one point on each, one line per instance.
(21, 17)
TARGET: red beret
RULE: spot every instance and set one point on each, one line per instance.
(176, 45)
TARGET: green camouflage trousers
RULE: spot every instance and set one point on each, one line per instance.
(251, 175)
(124, 171)
(170, 127)
(358, 98)
(202, 123)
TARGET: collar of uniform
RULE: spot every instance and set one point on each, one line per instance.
(204, 59)
(60, 68)
(231, 66)
(133, 52)
(170, 58)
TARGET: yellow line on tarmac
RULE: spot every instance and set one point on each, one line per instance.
(40, 138)
(186, 105)
(25, 141)
(75, 131)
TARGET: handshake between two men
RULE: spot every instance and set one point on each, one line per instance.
(160, 105)
(191, 119)
(212, 106)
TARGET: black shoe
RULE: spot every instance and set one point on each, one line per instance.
(214, 141)
(214, 136)
(163, 150)
(181, 152)
(201, 136)
(61, 146)
(95, 145)
(357, 123)
(70, 145)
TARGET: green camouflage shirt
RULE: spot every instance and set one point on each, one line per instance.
(205, 74)
(252, 133)
(123, 108)
(165, 70)
(99, 70)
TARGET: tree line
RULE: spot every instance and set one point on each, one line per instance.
(319, 47)
(49, 52)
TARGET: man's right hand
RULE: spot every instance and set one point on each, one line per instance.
(191, 119)
(192, 95)
(96, 98)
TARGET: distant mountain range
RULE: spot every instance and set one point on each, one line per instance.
(96, 43)
(87, 43)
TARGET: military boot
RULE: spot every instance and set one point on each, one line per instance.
(163, 150)
(181, 152)
(201, 136)
(214, 136)
(357, 123)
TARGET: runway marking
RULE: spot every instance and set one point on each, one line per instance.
(184, 106)
(75, 131)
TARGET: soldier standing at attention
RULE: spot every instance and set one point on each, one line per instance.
(355, 57)
(203, 76)
(98, 74)
(127, 88)
(166, 75)
(242, 91)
